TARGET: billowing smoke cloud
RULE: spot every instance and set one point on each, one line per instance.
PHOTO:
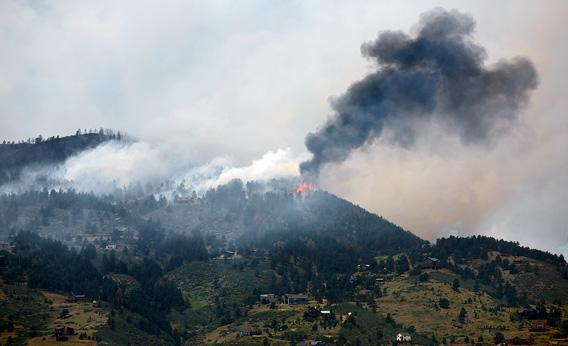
(115, 166)
(436, 75)
(281, 163)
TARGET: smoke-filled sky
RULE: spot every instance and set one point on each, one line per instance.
(237, 86)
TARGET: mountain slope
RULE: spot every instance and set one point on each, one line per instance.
(247, 218)
(191, 269)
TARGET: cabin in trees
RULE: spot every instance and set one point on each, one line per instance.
(6, 246)
(430, 263)
(520, 341)
(312, 343)
(294, 299)
(228, 255)
(63, 333)
(247, 331)
(537, 325)
(77, 298)
(267, 298)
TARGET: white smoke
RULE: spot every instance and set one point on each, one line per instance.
(118, 165)
(281, 163)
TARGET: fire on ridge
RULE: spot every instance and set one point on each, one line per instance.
(304, 189)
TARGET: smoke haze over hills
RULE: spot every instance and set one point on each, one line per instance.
(212, 92)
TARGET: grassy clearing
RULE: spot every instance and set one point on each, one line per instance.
(275, 325)
(417, 304)
(83, 317)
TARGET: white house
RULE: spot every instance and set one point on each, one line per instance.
(403, 338)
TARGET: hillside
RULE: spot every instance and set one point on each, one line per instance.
(192, 270)
(246, 218)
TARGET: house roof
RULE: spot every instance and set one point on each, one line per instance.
(296, 296)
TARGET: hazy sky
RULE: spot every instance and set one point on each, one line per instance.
(237, 79)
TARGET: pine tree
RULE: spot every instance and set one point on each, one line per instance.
(463, 315)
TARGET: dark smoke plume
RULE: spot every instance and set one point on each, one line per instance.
(438, 74)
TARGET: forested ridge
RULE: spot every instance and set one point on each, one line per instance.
(181, 267)
(14, 156)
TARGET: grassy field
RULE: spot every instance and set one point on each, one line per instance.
(416, 304)
(83, 317)
(277, 326)
(286, 325)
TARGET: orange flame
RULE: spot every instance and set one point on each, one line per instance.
(304, 189)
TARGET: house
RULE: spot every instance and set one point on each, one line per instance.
(110, 247)
(293, 299)
(247, 331)
(228, 254)
(520, 341)
(81, 298)
(403, 338)
(430, 263)
(77, 298)
(521, 261)
(537, 325)
(61, 333)
(363, 267)
(267, 298)
(5, 246)
(311, 343)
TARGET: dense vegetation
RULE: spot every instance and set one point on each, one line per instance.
(469, 257)
(478, 246)
(48, 264)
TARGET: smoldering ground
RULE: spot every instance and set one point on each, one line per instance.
(438, 74)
